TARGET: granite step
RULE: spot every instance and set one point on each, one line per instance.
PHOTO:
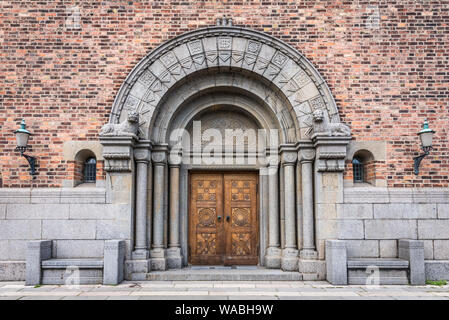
(222, 274)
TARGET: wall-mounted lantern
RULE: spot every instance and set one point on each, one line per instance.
(22, 135)
(426, 136)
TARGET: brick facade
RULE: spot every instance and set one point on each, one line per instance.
(386, 64)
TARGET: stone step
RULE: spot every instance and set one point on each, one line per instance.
(223, 274)
(377, 271)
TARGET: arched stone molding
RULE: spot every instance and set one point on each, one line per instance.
(224, 101)
(252, 95)
(225, 48)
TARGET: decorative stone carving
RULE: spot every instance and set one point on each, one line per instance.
(256, 52)
(306, 154)
(158, 157)
(289, 157)
(142, 154)
(322, 126)
(224, 43)
(116, 162)
(253, 46)
(224, 21)
(129, 127)
(279, 59)
(159, 154)
(117, 152)
(330, 152)
(147, 78)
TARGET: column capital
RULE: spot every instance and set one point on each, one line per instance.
(142, 151)
(159, 154)
(289, 157)
(306, 154)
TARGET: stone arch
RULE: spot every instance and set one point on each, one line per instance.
(178, 109)
(225, 48)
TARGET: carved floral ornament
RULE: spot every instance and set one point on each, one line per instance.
(227, 47)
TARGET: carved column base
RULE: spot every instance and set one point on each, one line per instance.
(174, 258)
(273, 258)
(289, 259)
(140, 254)
(158, 259)
(309, 254)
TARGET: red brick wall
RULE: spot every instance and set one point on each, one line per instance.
(386, 78)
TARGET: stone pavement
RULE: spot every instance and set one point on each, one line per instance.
(223, 290)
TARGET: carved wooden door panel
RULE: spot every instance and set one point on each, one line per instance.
(241, 227)
(223, 220)
(206, 219)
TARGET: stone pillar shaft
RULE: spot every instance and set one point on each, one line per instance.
(174, 257)
(308, 243)
(290, 221)
(174, 206)
(273, 255)
(289, 260)
(273, 224)
(141, 205)
(158, 251)
(142, 157)
(158, 206)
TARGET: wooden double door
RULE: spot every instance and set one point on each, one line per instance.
(223, 219)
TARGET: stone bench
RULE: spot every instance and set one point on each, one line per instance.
(407, 268)
(72, 271)
(42, 269)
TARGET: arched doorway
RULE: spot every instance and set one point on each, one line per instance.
(226, 78)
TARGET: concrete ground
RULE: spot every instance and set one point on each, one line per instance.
(223, 290)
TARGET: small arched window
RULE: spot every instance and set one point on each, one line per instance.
(358, 170)
(90, 170)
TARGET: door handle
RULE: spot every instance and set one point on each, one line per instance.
(219, 218)
(228, 218)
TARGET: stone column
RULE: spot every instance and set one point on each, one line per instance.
(142, 157)
(158, 254)
(273, 257)
(306, 157)
(289, 260)
(174, 258)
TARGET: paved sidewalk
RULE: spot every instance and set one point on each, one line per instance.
(226, 290)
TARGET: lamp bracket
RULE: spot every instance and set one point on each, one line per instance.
(417, 160)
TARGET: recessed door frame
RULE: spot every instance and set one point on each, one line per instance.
(258, 219)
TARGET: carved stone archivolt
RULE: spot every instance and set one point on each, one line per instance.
(225, 47)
